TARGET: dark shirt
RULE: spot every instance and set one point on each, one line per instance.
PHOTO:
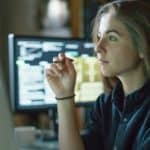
(120, 122)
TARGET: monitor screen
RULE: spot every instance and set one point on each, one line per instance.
(29, 56)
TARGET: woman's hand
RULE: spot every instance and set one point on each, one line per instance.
(61, 76)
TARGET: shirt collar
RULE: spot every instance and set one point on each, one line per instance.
(127, 104)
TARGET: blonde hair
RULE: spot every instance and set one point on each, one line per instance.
(134, 14)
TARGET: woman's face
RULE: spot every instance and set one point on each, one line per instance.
(114, 47)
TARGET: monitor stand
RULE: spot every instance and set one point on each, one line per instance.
(50, 134)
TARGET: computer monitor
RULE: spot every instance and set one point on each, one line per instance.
(29, 56)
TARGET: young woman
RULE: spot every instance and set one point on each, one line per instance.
(121, 115)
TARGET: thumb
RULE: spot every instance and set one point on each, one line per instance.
(70, 65)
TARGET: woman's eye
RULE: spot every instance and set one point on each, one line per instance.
(112, 38)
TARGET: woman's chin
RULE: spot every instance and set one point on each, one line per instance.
(107, 73)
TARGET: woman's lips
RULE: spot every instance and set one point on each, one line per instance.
(103, 61)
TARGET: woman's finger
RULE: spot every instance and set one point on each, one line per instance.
(61, 56)
(56, 70)
(50, 74)
(59, 62)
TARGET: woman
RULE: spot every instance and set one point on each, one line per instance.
(121, 116)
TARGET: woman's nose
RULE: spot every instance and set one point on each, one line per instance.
(100, 46)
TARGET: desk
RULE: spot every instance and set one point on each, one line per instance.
(40, 145)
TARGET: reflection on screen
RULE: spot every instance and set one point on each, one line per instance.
(32, 57)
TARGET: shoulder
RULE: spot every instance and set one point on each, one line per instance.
(143, 138)
(145, 143)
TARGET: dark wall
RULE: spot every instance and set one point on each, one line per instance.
(4, 22)
(15, 17)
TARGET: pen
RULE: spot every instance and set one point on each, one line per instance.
(57, 61)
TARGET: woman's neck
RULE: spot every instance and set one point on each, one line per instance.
(133, 79)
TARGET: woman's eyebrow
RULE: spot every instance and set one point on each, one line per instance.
(114, 31)
(109, 31)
